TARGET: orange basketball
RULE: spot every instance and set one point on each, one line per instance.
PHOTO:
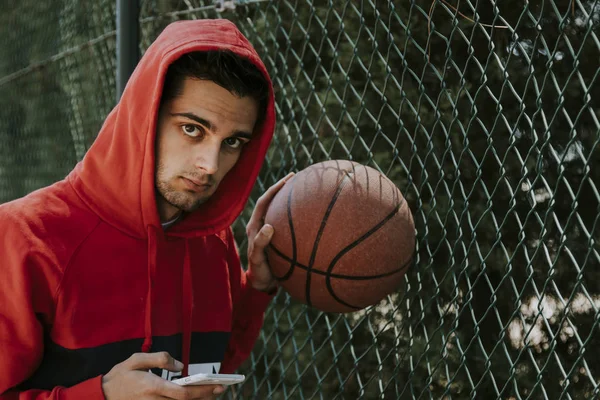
(344, 236)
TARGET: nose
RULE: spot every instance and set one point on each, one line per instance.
(207, 157)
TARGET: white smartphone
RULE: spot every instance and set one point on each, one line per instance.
(210, 379)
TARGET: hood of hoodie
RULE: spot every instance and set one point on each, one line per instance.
(116, 178)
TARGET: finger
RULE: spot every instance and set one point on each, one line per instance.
(174, 391)
(260, 209)
(146, 361)
(155, 387)
(256, 252)
(170, 390)
(204, 391)
(262, 204)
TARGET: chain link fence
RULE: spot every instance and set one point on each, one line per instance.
(482, 112)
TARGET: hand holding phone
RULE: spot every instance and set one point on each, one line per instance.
(210, 379)
(131, 379)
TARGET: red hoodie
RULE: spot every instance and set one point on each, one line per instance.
(87, 274)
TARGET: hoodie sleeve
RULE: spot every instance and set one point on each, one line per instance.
(29, 282)
(249, 307)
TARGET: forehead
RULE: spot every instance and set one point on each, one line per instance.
(209, 100)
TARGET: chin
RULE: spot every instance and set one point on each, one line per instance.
(197, 203)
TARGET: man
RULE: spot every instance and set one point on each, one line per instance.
(129, 264)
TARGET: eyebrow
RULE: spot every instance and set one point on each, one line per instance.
(202, 121)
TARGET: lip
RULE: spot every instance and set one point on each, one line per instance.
(195, 185)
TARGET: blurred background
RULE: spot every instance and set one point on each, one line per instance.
(481, 111)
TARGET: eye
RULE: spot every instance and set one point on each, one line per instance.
(234, 142)
(191, 130)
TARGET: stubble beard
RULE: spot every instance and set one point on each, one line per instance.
(182, 200)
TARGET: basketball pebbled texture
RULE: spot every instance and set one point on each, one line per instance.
(344, 236)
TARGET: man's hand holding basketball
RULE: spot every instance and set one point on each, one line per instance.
(259, 236)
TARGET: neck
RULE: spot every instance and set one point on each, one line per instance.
(166, 211)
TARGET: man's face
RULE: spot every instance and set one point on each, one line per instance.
(200, 135)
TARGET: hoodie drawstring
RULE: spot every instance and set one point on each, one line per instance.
(187, 309)
(188, 299)
(152, 246)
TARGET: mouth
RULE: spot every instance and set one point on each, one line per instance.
(196, 185)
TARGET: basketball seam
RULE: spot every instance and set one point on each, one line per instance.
(340, 276)
(294, 260)
(315, 248)
(346, 249)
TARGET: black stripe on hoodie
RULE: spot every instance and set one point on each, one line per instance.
(66, 367)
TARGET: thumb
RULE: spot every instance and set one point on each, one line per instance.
(146, 361)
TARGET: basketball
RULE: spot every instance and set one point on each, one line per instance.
(344, 236)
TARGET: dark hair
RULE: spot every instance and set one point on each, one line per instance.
(223, 67)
